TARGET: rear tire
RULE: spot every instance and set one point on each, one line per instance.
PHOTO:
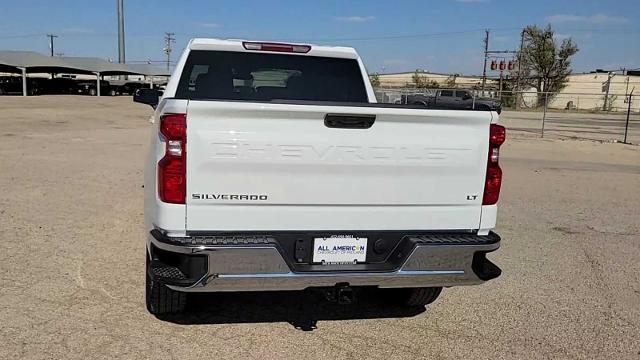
(161, 299)
(417, 296)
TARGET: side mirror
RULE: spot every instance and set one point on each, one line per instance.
(147, 96)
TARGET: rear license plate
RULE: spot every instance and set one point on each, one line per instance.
(339, 250)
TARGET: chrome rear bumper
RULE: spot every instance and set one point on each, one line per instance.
(261, 267)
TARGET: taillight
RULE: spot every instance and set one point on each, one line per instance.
(493, 181)
(276, 47)
(172, 181)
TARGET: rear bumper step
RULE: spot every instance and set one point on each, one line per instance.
(257, 262)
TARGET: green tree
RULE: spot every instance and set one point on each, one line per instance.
(375, 80)
(609, 102)
(422, 81)
(546, 64)
(451, 81)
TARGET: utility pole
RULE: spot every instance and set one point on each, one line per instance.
(626, 125)
(492, 53)
(606, 87)
(518, 83)
(168, 39)
(121, 53)
(500, 86)
(486, 52)
(121, 47)
(51, 36)
(626, 91)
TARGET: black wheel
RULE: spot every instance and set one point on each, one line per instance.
(417, 296)
(161, 299)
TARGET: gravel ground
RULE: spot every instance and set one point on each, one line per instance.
(72, 265)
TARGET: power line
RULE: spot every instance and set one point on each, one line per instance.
(436, 34)
(372, 38)
(396, 37)
(19, 36)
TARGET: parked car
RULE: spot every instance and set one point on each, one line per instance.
(277, 170)
(58, 86)
(12, 85)
(90, 88)
(453, 99)
(129, 88)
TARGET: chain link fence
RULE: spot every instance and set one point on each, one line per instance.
(613, 117)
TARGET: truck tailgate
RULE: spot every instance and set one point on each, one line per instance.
(269, 166)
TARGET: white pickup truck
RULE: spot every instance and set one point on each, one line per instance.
(271, 167)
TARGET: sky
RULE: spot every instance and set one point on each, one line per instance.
(444, 36)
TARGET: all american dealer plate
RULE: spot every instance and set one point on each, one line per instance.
(340, 249)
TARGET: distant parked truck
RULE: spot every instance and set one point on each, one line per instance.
(453, 99)
(129, 88)
(89, 88)
(57, 86)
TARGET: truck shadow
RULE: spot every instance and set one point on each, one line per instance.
(301, 309)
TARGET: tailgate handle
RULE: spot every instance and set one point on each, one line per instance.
(349, 121)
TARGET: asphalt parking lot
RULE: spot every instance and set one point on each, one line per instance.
(72, 258)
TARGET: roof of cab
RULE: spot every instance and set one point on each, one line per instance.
(236, 45)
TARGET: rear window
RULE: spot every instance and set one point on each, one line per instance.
(223, 75)
(446, 93)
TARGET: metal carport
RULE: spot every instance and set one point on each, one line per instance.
(23, 62)
(149, 70)
(99, 67)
